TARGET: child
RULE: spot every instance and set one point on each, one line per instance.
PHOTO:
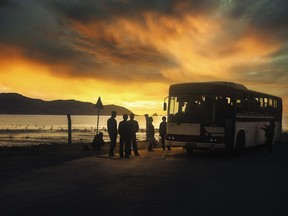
(98, 141)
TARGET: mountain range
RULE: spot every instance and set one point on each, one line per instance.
(13, 103)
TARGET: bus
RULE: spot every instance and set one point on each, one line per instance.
(219, 115)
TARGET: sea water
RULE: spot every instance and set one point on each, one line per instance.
(17, 130)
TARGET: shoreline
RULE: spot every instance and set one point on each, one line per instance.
(27, 140)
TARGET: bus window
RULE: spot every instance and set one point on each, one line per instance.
(257, 105)
(173, 105)
(189, 109)
(261, 101)
(251, 106)
(265, 102)
(246, 106)
(270, 102)
(238, 105)
(275, 104)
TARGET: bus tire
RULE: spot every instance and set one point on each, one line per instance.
(189, 150)
(240, 143)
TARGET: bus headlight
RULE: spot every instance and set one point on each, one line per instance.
(216, 139)
(170, 137)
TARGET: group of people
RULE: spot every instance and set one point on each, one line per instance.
(127, 130)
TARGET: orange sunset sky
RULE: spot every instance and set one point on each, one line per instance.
(130, 51)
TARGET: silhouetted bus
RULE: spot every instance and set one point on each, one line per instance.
(219, 115)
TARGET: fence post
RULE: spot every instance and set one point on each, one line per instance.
(69, 129)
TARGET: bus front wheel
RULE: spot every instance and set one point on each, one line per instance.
(189, 150)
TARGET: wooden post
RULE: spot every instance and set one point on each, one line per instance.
(97, 121)
(69, 129)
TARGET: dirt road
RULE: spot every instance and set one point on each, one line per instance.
(157, 183)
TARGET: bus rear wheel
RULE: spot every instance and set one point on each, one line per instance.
(240, 143)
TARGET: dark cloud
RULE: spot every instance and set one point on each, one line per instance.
(264, 15)
(270, 72)
(7, 3)
(279, 61)
(281, 52)
(44, 35)
(31, 28)
(132, 53)
(106, 10)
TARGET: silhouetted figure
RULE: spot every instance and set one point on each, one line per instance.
(112, 131)
(150, 134)
(98, 141)
(162, 133)
(124, 132)
(134, 128)
(269, 134)
(147, 121)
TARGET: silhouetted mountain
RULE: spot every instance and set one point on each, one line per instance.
(13, 103)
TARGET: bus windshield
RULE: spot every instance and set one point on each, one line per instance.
(201, 108)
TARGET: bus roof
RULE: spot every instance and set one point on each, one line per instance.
(210, 87)
(206, 86)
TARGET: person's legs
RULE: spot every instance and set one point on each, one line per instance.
(112, 145)
(121, 147)
(151, 142)
(135, 147)
(127, 148)
(163, 142)
(269, 145)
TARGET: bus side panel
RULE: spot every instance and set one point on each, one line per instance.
(278, 132)
(229, 134)
(183, 129)
(253, 134)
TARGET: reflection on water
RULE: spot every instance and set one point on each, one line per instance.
(46, 129)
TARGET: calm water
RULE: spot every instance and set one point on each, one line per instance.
(46, 129)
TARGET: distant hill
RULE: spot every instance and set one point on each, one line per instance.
(13, 103)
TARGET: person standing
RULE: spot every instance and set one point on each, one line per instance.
(150, 134)
(134, 126)
(162, 132)
(269, 134)
(112, 131)
(124, 132)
